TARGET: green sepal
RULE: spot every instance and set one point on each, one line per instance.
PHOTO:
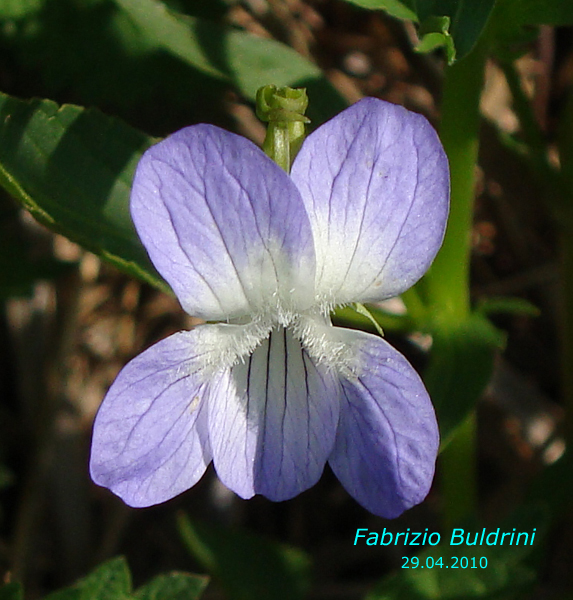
(361, 309)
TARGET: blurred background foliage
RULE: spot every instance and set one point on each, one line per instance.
(85, 87)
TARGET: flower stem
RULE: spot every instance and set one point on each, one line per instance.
(448, 279)
(283, 109)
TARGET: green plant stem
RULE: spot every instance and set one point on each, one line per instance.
(448, 280)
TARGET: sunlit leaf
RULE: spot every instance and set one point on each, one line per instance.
(72, 169)
(242, 59)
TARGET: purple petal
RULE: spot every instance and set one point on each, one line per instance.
(150, 439)
(223, 224)
(376, 186)
(387, 439)
(273, 423)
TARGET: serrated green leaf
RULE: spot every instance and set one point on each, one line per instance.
(72, 593)
(11, 591)
(173, 586)
(460, 367)
(110, 581)
(247, 566)
(72, 169)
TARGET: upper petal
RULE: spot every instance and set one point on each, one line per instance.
(387, 439)
(150, 440)
(375, 182)
(223, 224)
(272, 423)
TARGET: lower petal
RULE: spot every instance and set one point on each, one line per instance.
(273, 422)
(150, 439)
(387, 439)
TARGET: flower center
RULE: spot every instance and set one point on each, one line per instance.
(226, 345)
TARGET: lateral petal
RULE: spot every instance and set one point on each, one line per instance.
(375, 182)
(150, 440)
(387, 439)
(223, 224)
(272, 424)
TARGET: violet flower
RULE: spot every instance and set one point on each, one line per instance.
(273, 391)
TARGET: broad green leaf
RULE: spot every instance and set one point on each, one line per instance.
(110, 581)
(460, 367)
(71, 593)
(92, 52)
(177, 33)
(236, 56)
(231, 55)
(247, 566)
(11, 591)
(173, 586)
(72, 169)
